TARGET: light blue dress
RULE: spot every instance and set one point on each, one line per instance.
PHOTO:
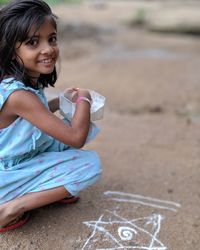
(32, 161)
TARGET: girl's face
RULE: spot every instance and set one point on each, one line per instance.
(39, 52)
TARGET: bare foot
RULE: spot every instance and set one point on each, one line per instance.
(14, 221)
(8, 214)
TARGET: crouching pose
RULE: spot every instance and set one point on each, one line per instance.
(41, 160)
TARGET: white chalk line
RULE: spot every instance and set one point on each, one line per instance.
(143, 200)
(159, 217)
(156, 232)
(101, 229)
(94, 224)
(142, 197)
(144, 203)
(93, 233)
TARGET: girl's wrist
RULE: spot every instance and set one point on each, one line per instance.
(82, 99)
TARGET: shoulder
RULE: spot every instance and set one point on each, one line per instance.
(18, 96)
(23, 103)
(14, 92)
(24, 100)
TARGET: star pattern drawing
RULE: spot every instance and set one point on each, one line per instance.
(112, 231)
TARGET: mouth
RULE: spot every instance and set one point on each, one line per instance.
(47, 61)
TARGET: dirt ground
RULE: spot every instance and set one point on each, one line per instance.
(148, 196)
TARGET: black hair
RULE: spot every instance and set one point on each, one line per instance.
(16, 20)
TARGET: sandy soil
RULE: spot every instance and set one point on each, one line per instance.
(149, 142)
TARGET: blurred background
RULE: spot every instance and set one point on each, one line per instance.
(142, 54)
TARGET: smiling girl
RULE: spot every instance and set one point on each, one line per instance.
(41, 160)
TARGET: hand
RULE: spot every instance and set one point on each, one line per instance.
(71, 94)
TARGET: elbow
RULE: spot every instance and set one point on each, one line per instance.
(78, 145)
(78, 138)
(79, 142)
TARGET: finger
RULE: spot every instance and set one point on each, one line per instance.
(76, 89)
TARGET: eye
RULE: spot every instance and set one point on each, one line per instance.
(53, 40)
(32, 42)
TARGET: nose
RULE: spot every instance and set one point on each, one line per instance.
(47, 49)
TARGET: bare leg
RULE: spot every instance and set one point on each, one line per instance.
(12, 209)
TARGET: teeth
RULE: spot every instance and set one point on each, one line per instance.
(47, 60)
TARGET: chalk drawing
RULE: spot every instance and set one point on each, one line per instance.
(112, 231)
(140, 233)
(143, 200)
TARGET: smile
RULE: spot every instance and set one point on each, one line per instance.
(50, 60)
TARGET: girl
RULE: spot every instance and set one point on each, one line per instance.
(40, 157)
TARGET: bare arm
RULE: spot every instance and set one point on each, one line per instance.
(27, 105)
